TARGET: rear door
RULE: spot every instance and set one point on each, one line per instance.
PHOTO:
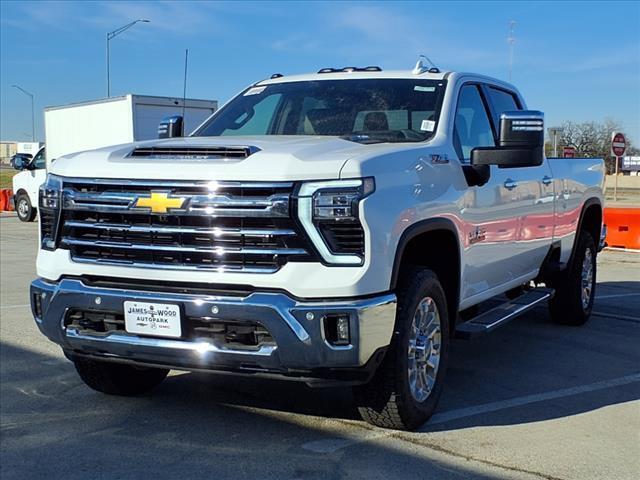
(534, 192)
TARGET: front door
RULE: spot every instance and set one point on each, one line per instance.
(490, 213)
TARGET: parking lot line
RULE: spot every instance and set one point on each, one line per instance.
(617, 295)
(527, 399)
(14, 306)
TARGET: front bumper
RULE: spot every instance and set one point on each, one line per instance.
(300, 351)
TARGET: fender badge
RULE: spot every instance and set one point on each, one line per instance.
(478, 234)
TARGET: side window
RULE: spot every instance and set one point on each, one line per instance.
(39, 161)
(502, 101)
(472, 127)
(257, 120)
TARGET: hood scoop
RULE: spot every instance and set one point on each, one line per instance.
(195, 153)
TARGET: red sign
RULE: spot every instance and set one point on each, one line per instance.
(618, 144)
(568, 152)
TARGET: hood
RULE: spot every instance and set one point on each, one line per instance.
(277, 158)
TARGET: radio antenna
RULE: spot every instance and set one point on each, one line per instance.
(421, 67)
(184, 89)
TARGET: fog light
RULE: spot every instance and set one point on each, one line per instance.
(343, 329)
(337, 329)
(37, 305)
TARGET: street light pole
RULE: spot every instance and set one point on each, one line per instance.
(111, 35)
(33, 124)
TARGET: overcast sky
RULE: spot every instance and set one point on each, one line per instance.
(574, 60)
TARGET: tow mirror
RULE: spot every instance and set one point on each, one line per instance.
(521, 142)
(171, 127)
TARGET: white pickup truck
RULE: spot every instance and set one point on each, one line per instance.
(334, 228)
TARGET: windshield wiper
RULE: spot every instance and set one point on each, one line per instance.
(375, 137)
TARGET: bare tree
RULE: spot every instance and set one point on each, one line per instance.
(592, 139)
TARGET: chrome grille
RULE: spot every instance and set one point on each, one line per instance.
(233, 226)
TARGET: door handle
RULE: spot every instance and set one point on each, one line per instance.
(547, 180)
(510, 184)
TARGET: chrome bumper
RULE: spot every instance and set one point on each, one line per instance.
(300, 349)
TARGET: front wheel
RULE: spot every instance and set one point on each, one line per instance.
(405, 390)
(24, 209)
(575, 291)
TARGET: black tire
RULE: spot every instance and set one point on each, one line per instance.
(387, 400)
(24, 209)
(567, 307)
(117, 378)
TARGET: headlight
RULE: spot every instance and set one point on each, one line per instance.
(329, 213)
(49, 206)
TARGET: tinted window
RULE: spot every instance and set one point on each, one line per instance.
(472, 126)
(39, 161)
(367, 110)
(255, 121)
(502, 101)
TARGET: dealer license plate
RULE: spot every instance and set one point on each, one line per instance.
(157, 319)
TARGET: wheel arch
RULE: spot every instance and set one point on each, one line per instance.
(443, 260)
(590, 220)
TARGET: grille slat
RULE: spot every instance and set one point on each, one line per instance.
(243, 227)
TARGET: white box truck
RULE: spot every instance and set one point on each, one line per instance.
(28, 148)
(89, 125)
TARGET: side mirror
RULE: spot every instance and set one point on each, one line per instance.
(171, 127)
(22, 162)
(521, 142)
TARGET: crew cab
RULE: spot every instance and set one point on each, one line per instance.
(334, 228)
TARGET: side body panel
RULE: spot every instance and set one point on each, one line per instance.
(576, 180)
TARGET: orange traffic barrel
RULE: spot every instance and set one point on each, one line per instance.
(10, 206)
(3, 199)
(623, 227)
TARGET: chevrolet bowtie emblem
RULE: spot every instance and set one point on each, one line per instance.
(160, 202)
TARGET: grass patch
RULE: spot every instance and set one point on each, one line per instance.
(5, 178)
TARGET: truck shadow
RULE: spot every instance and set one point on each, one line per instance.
(572, 369)
(193, 427)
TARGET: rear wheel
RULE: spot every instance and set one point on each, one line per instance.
(24, 209)
(405, 390)
(116, 378)
(575, 290)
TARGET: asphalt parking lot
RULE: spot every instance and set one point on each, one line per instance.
(532, 400)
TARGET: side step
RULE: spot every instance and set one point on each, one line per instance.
(502, 314)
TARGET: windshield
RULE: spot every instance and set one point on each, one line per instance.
(362, 110)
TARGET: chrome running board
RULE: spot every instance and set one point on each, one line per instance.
(503, 314)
